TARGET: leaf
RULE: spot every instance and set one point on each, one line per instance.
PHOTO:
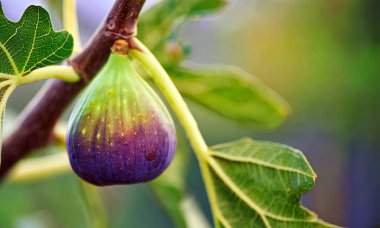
(259, 184)
(156, 25)
(31, 43)
(232, 93)
(200, 7)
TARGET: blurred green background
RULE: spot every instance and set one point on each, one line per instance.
(322, 56)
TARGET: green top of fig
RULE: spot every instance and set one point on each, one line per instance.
(120, 131)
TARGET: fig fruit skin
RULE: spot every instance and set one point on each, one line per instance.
(120, 132)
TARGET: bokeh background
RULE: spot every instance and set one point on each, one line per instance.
(322, 56)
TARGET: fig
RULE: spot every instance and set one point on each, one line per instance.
(120, 132)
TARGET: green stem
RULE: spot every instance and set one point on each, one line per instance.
(169, 90)
(65, 73)
(3, 101)
(70, 22)
(94, 204)
(7, 76)
(6, 83)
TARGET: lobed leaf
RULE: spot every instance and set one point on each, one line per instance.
(232, 93)
(31, 43)
(259, 184)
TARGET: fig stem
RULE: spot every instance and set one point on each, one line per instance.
(171, 93)
(169, 90)
(121, 23)
(70, 22)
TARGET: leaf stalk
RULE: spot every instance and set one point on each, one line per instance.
(70, 22)
(64, 73)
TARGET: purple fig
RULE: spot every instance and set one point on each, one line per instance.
(120, 132)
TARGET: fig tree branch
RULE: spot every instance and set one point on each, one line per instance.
(37, 121)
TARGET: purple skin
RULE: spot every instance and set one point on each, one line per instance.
(120, 132)
(133, 158)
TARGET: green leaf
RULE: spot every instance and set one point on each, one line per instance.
(232, 93)
(31, 43)
(259, 184)
(200, 7)
(156, 25)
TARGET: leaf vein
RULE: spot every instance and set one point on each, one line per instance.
(33, 42)
(10, 59)
(260, 163)
(234, 188)
(51, 54)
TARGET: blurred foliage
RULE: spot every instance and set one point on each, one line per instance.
(156, 25)
(41, 203)
(96, 212)
(322, 58)
(224, 90)
(169, 188)
(56, 7)
(231, 92)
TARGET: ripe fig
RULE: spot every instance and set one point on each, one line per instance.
(120, 132)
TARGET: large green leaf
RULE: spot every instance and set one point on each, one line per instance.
(31, 42)
(259, 184)
(232, 93)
